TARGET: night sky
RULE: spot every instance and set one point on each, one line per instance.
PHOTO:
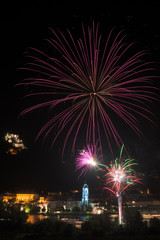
(40, 168)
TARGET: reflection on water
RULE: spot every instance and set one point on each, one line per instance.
(78, 220)
(35, 218)
(75, 220)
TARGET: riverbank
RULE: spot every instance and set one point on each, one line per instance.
(97, 227)
(46, 230)
(78, 218)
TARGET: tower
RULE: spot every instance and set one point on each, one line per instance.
(85, 195)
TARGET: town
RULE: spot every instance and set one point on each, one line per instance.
(65, 205)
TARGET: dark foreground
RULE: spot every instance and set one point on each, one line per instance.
(14, 226)
(99, 227)
(51, 237)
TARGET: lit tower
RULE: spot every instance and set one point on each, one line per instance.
(85, 195)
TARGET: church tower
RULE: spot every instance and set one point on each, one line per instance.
(85, 195)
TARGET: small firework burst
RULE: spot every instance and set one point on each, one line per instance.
(87, 158)
(120, 175)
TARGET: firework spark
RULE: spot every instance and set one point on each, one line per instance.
(88, 158)
(88, 81)
(119, 177)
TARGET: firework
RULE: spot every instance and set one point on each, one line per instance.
(119, 177)
(87, 82)
(86, 159)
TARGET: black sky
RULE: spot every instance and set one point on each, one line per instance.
(38, 168)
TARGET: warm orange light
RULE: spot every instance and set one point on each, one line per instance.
(12, 151)
(24, 198)
(75, 191)
(7, 198)
(41, 200)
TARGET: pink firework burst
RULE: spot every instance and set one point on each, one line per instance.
(88, 81)
(87, 159)
(119, 176)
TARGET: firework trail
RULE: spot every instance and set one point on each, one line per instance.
(119, 177)
(87, 81)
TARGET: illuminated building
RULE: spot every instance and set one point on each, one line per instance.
(8, 198)
(85, 195)
(41, 199)
(63, 201)
(14, 140)
(60, 205)
(25, 198)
